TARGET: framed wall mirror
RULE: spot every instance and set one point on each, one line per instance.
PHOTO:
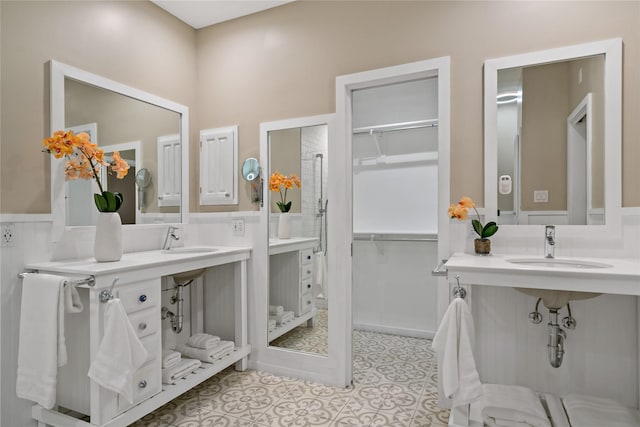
(553, 137)
(151, 134)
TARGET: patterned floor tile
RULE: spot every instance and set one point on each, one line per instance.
(395, 385)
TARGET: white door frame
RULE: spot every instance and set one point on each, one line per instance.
(340, 219)
(579, 158)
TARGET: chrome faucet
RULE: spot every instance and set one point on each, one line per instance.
(169, 238)
(549, 241)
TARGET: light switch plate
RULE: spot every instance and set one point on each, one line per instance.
(541, 196)
(237, 226)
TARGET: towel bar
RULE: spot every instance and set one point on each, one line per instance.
(90, 280)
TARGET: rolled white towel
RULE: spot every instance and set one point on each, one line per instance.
(271, 326)
(170, 358)
(556, 412)
(274, 310)
(282, 318)
(182, 369)
(589, 411)
(204, 341)
(512, 405)
(209, 355)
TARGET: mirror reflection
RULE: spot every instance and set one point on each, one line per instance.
(147, 137)
(297, 179)
(550, 140)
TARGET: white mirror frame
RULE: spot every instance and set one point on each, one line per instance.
(57, 74)
(310, 366)
(612, 49)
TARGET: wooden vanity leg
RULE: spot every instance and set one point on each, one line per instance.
(242, 338)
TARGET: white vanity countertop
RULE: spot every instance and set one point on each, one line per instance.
(162, 263)
(623, 277)
(277, 246)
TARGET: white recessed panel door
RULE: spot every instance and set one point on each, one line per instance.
(218, 166)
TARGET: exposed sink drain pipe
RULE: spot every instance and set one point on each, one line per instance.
(557, 336)
(176, 318)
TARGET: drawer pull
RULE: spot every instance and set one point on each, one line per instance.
(142, 298)
(142, 384)
(309, 257)
(308, 302)
(142, 326)
(309, 286)
(308, 271)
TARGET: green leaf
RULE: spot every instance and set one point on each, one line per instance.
(101, 202)
(489, 229)
(111, 201)
(287, 207)
(119, 201)
(477, 226)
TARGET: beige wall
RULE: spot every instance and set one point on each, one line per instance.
(285, 154)
(282, 63)
(135, 43)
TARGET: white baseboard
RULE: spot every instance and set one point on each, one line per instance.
(405, 332)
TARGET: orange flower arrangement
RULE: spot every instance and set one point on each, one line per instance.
(84, 161)
(461, 212)
(277, 182)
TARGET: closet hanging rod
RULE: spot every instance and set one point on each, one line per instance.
(417, 124)
(395, 237)
(89, 280)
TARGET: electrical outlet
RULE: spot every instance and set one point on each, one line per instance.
(237, 226)
(541, 196)
(8, 236)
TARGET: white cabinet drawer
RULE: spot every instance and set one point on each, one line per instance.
(147, 381)
(305, 286)
(145, 322)
(306, 256)
(306, 271)
(152, 344)
(306, 303)
(140, 295)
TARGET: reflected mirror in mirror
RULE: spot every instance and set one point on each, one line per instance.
(147, 137)
(298, 303)
(550, 126)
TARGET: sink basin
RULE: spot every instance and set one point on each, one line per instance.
(186, 276)
(189, 250)
(553, 299)
(557, 263)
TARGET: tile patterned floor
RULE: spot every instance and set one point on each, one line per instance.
(310, 340)
(395, 385)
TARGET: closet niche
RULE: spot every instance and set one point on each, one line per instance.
(296, 198)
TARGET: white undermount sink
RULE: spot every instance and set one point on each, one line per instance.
(557, 263)
(189, 250)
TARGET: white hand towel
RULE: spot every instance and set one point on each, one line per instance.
(184, 367)
(170, 358)
(203, 341)
(319, 275)
(274, 310)
(454, 343)
(512, 405)
(72, 303)
(589, 411)
(41, 346)
(120, 352)
(209, 355)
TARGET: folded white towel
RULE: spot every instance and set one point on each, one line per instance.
(271, 325)
(120, 352)
(589, 411)
(209, 355)
(202, 340)
(512, 405)
(182, 369)
(454, 343)
(41, 345)
(170, 358)
(274, 310)
(283, 318)
(72, 303)
(556, 411)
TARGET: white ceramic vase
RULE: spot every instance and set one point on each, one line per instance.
(284, 226)
(108, 243)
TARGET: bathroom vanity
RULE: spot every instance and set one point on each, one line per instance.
(136, 281)
(291, 280)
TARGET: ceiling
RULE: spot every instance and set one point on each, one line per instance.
(202, 13)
